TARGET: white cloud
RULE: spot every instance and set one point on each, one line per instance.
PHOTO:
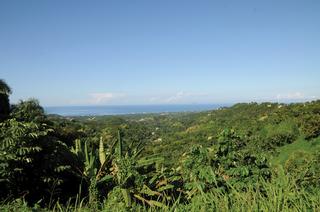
(98, 98)
(154, 99)
(182, 96)
(294, 96)
(176, 97)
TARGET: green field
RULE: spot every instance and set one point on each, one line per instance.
(248, 157)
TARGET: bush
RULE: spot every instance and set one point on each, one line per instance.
(35, 165)
(29, 110)
(225, 164)
(304, 169)
(311, 126)
(278, 135)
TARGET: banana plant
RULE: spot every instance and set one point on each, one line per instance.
(121, 166)
(94, 166)
(162, 189)
(128, 169)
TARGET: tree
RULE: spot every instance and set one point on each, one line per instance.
(4, 87)
(34, 164)
(29, 111)
(5, 91)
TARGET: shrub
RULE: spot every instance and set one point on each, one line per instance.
(311, 125)
(280, 134)
(304, 169)
(29, 110)
(35, 165)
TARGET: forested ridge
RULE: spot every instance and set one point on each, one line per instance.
(250, 156)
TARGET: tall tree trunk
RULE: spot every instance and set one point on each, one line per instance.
(4, 106)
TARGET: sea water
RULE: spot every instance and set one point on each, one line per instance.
(127, 109)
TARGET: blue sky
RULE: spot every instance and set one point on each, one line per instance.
(160, 52)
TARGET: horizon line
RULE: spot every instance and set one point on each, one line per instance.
(177, 104)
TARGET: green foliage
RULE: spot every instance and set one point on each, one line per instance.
(304, 169)
(5, 91)
(212, 160)
(237, 164)
(276, 135)
(198, 171)
(18, 205)
(223, 165)
(19, 146)
(28, 111)
(284, 152)
(4, 87)
(311, 126)
(33, 164)
(94, 172)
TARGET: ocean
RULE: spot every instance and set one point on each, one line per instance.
(127, 109)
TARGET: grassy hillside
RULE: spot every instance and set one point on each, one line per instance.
(266, 127)
(266, 155)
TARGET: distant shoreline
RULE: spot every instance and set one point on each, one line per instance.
(129, 109)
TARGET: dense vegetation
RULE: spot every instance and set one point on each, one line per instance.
(246, 157)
